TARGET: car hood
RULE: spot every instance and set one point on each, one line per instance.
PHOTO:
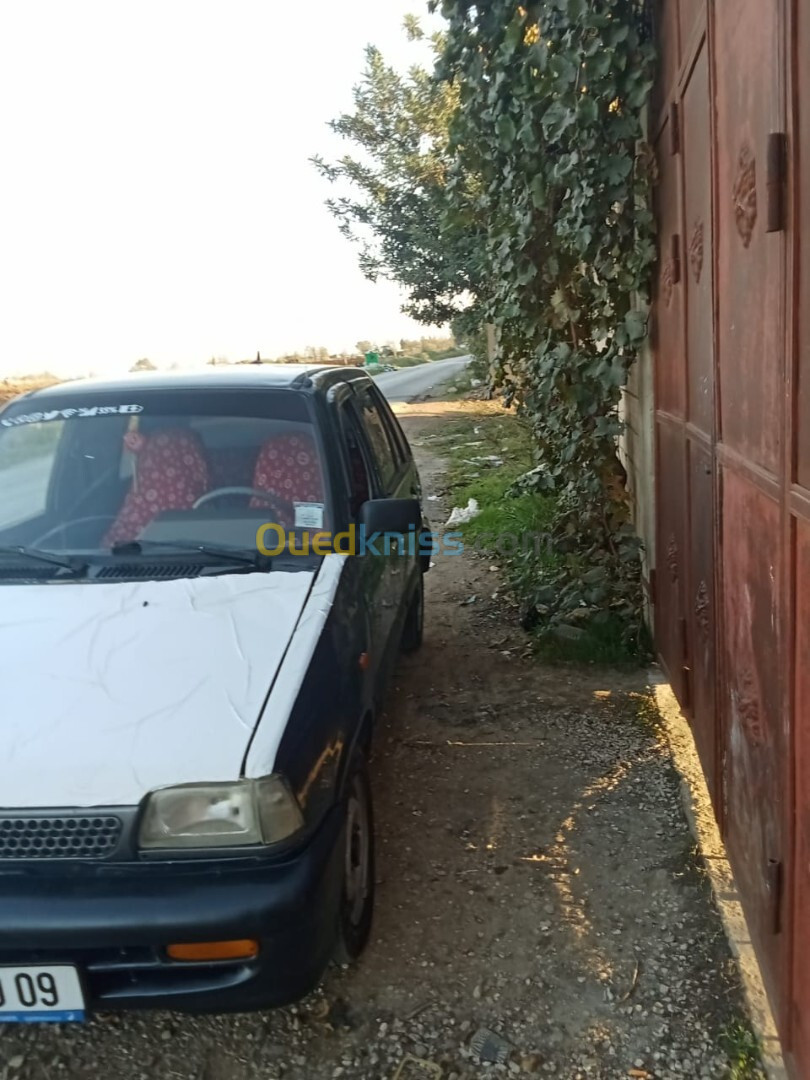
(111, 690)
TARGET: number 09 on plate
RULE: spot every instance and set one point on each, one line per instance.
(40, 994)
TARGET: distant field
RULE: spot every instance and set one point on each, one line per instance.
(10, 388)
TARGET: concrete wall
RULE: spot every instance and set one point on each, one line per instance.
(637, 450)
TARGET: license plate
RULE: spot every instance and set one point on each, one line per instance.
(31, 995)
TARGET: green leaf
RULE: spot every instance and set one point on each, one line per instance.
(514, 35)
(617, 167)
(557, 119)
(506, 132)
(598, 65)
(538, 190)
(636, 325)
(617, 33)
(587, 111)
(528, 272)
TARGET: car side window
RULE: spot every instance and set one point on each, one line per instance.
(359, 476)
(383, 446)
(395, 432)
(27, 458)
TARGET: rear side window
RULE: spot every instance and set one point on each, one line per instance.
(359, 479)
(386, 451)
(394, 428)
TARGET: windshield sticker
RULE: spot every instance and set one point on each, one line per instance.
(69, 414)
(308, 515)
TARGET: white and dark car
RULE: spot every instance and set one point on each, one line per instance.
(197, 619)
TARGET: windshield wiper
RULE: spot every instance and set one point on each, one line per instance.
(41, 556)
(188, 547)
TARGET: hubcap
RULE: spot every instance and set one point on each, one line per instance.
(358, 850)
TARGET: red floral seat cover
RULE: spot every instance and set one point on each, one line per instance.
(170, 474)
(288, 467)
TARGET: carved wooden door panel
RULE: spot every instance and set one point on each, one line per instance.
(799, 550)
(752, 365)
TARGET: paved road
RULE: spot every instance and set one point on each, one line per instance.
(411, 382)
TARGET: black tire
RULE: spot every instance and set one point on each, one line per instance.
(357, 895)
(415, 619)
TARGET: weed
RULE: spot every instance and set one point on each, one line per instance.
(740, 1045)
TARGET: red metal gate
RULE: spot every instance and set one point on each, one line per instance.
(798, 533)
(732, 611)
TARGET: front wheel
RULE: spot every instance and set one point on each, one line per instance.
(357, 898)
(415, 619)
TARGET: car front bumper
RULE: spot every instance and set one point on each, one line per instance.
(114, 923)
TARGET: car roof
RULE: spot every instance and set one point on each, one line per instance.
(238, 377)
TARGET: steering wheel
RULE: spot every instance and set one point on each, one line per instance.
(281, 506)
(65, 525)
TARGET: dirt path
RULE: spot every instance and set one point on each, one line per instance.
(536, 878)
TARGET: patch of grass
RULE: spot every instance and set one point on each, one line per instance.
(740, 1044)
(600, 643)
(487, 452)
(458, 387)
(405, 361)
(471, 445)
(445, 354)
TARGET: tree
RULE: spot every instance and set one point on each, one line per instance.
(143, 364)
(550, 120)
(394, 208)
(316, 352)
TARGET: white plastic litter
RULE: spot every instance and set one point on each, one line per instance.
(461, 515)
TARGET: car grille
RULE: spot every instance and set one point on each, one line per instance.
(149, 572)
(62, 836)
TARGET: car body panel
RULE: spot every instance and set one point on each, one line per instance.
(115, 921)
(112, 690)
(303, 643)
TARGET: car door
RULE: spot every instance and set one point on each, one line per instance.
(396, 480)
(369, 572)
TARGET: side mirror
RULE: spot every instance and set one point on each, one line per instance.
(391, 515)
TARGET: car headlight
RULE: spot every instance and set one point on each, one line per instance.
(220, 815)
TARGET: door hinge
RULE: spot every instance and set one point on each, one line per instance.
(775, 885)
(686, 692)
(675, 256)
(652, 590)
(776, 181)
(686, 670)
(674, 128)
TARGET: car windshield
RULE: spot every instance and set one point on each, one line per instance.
(90, 473)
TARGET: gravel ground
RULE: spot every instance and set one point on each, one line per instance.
(536, 881)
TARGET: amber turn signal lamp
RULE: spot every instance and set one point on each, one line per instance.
(244, 949)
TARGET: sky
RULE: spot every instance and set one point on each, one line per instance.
(156, 198)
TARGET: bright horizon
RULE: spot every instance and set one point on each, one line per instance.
(157, 196)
